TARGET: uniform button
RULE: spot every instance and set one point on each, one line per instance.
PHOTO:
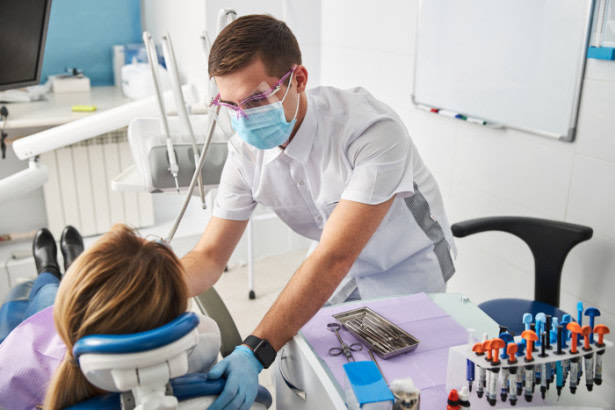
(320, 218)
(301, 183)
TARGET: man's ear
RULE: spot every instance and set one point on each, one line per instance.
(301, 75)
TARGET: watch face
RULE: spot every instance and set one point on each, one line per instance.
(266, 354)
(263, 351)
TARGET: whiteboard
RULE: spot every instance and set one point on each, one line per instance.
(514, 63)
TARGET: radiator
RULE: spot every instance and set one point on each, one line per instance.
(79, 193)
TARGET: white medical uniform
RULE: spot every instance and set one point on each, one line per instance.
(349, 146)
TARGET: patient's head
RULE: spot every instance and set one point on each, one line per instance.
(121, 284)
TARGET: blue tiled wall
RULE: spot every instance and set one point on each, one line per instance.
(81, 33)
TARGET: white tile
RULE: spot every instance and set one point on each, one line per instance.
(466, 202)
(528, 170)
(381, 73)
(310, 56)
(588, 273)
(601, 70)
(435, 140)
(592, 195)
(481, 276)
(304, 19)
(242, 7)
(387, 26)
(595, 136)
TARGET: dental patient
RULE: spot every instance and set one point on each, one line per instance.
(122, 284)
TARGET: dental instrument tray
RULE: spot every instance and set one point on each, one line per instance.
(380, 335)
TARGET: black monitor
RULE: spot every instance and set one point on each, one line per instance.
(23, 30)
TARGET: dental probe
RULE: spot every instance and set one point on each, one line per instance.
(171, 61)
(153, 62)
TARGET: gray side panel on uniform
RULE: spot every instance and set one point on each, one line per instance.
(419, 207)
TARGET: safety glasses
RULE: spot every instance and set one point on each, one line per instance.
(254, 101)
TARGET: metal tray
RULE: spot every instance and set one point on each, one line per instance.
(380, 335)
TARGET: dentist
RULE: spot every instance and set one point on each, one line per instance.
(338, 167)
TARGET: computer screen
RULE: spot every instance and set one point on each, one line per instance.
(23, 30)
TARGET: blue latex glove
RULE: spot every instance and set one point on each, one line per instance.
(241, 369)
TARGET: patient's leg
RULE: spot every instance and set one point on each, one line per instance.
(43, 293)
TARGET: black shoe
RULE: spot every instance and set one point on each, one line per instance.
(71, 245)
(45, 253)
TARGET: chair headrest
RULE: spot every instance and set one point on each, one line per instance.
(137, 342)
(146, 359)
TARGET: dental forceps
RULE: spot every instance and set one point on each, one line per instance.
(344, 348)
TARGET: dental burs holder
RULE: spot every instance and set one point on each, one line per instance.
(379, 334)
(541, 359)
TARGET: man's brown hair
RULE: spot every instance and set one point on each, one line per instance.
(251, 37)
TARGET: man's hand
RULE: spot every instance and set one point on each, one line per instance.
(241, 369)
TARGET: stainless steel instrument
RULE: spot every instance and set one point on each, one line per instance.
(380, 335)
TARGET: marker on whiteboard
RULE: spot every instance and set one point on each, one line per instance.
(447, 113)
(476, 121)
(424, 108)
(461, 117)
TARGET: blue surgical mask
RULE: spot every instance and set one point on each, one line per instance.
(265, 127)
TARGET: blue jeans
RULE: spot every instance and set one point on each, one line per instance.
(42, 295)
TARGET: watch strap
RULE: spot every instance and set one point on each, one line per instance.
(263, 351)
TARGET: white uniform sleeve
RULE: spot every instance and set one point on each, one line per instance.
(234, 198)
(382, 158)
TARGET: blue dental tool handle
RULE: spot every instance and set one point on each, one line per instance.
(507, 338)
(540, 320)
(547, 331)
(592, 312)
(580, 313)
(559, 377)
(527, 319)
(469, 373)
(521, 347)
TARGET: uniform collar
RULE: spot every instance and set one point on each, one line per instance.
(301, 144)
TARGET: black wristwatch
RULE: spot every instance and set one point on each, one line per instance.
(263, 351)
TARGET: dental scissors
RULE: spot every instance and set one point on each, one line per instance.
(344, 348)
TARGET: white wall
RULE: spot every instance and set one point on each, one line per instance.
(485, 172)
(185, 20)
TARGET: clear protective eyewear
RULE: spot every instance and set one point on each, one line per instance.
(254, 101)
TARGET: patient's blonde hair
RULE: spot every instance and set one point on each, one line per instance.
(122, 284)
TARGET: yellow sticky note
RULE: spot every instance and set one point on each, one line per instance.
(84, 108)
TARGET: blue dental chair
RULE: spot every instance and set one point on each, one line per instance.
(147, 370)
(14, 308)
(550, 242)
